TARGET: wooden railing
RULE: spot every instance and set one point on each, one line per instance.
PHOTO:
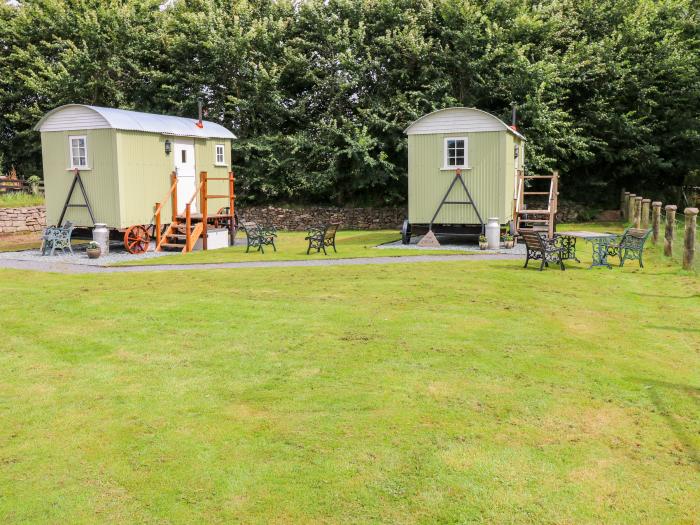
(191, 235)
(206, 196)
(172, 194)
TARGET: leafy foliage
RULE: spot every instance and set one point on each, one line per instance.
(319, 92)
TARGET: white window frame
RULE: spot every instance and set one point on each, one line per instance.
(73, 165)
(221, 162)
(445, 158)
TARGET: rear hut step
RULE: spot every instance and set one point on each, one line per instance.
(537, 219)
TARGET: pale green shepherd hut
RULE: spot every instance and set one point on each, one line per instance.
(125, 160)
(463, 168)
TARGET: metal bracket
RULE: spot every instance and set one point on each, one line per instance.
(458, 177)
(76, 180)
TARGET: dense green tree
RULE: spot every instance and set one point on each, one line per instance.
(320, 91)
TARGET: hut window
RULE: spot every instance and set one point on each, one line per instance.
(78, 152)
(184, 156)
(220, 158)
(455, 152)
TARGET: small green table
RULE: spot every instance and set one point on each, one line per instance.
(599, 241)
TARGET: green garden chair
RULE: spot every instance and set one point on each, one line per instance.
(630, 245)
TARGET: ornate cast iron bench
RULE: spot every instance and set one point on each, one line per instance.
(259, 236)
(57, 238)
(321, 236)
(630, 245)
(543, 249)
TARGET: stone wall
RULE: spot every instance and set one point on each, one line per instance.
(302, 217)
(26, 219)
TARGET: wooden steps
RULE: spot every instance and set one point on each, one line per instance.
(544, 219)
(175, 237)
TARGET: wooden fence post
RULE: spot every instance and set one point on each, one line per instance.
(670, 229)
(638, 211)
(655, 221)
(630, 208)
(625, 204)
(691, 217)
(646, 203)
(622, 200)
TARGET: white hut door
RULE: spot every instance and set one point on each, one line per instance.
(186, 180)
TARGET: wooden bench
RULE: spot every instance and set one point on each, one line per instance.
(321, 236)
(630, 245)
(259, 236)
(57, 238)
(538, 247)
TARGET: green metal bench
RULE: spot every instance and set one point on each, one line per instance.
(259, 236)
(321, 236)
(542, 249)
(57, 238)
(630, 245)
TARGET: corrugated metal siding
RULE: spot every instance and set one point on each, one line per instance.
(100, 181)
(509, 161)
(145, 170)
(427, 183)
(74, 117)
(144, 175)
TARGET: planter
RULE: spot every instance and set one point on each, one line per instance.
(93, 253)
(508, 244)
(483, 245)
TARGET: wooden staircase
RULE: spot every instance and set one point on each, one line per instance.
(175, 237)
(185, 229)
(536, 219)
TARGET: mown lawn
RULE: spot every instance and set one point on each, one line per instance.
(451, 392)
(292, 246)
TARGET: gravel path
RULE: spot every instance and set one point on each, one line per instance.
(450, 244)
(60, 265)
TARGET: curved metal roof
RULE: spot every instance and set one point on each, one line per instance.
(148, 122)
(465, 120)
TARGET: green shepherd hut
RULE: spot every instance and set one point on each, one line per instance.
(112, 166)
(464, 166)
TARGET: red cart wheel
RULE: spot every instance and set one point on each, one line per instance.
(221, 222)
(137, 239)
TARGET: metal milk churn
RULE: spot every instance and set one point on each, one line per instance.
(100, 234)
(493, 233)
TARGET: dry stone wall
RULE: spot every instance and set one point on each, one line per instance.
(300, 219)
(26, 219)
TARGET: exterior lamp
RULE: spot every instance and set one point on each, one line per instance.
(168, 147)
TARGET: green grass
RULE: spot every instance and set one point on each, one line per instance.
(292, 246)
(19, 199)
(451, 392)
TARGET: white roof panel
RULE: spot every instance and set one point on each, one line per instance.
(63, 118)
(458, 120)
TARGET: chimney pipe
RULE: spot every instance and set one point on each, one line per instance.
(200, 124)
(513, 115)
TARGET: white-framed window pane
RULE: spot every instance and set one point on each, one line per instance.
(78, 152)
(455, 152)
(220, 154)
